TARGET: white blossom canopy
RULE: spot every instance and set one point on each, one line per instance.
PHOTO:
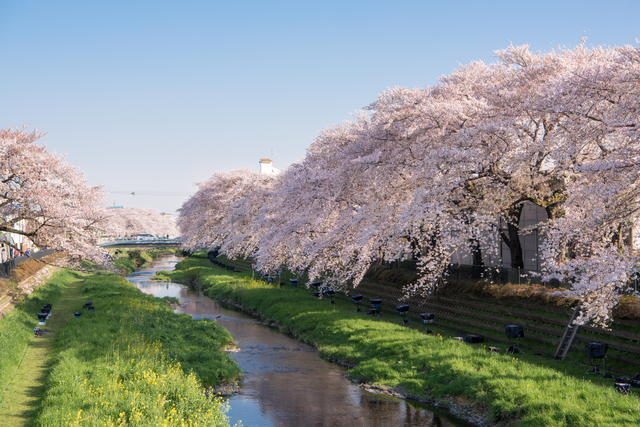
(38, 189)
(430, 171)
(218, 210)
(129, 221)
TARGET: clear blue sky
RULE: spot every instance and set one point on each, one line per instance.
(152, 96)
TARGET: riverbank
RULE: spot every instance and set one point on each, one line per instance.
(128, 260)
(131, 361)
(471, 381)
(16, 328)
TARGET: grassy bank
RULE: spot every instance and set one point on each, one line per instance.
(127, 260)
(16, 327)
(122, 310)
(135, 362)
(524, 390)
(131, 362)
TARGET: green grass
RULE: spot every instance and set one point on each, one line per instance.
(129, 259)
(522, 390)
(16, 327)
(131, 362)
(22, 393)
(123, 310)
(131, 383)
(126, 266)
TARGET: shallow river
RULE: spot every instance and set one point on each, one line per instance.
(285, 382)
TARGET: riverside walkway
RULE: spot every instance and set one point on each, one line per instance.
(20, 398)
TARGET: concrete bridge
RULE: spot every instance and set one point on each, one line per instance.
(142, 243)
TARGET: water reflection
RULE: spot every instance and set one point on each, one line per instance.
(285, 382)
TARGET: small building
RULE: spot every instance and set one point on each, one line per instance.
(17, 240)
(266, 167)
(532, 218)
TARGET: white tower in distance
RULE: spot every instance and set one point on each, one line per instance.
(266, 166)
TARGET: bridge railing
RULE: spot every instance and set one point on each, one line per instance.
(141, 242)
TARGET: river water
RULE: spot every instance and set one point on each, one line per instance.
(286, 383)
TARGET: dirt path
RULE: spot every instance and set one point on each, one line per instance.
(22, 395)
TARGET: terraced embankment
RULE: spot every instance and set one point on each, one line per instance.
(20, 286)
(544, 325)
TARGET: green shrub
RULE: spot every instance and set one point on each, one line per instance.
(139, 257)
(126, 266)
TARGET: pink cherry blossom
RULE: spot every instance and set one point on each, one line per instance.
(38, 188)
(432, 172)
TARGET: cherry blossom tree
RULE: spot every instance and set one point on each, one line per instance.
(207, 218)
(37, 187)
(549, 127)
(306, 210)
(240, 222)
(586, 239)
(129, 221)
(431, 171)
(565, 125)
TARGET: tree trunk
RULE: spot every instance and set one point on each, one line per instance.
(513, 239)
(553, 211)
(477, 262)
